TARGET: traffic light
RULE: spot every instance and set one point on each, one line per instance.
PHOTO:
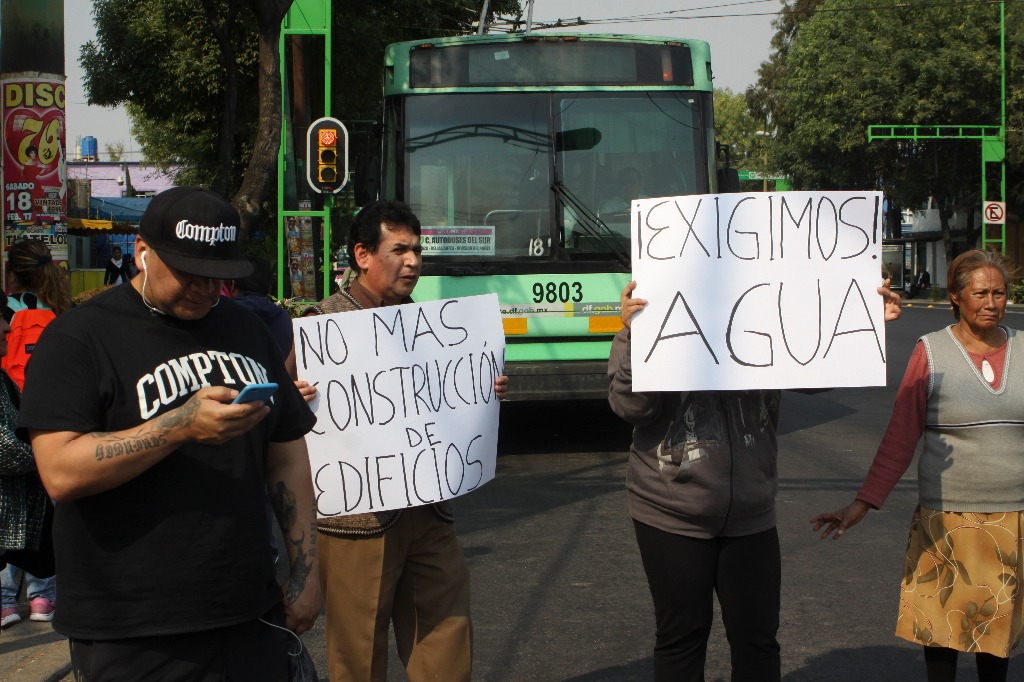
(327, 156)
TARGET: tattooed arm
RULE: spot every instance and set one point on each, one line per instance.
(290, 486)
(74, 464)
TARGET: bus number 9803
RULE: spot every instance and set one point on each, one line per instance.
(553, 292)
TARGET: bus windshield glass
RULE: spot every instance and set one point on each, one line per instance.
(545, 175)
(650, 146)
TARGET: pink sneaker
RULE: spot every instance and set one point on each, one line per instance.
(42, 609)
(9, 616)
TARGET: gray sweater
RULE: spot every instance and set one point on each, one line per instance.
(702, 464)
(973, 458)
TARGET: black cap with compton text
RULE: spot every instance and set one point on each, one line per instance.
(196, 231)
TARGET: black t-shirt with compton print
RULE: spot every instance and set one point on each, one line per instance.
(183, 547)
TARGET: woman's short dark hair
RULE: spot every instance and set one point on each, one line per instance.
(958, 276)
(366, 226)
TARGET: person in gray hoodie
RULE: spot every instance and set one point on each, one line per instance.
(701, 487)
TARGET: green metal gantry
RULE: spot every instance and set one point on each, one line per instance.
(992, 138)
(306, 18)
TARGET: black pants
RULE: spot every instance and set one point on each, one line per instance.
(684, 574)
(248, 652)
(940, 663)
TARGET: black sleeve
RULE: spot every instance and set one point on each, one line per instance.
(61, 386)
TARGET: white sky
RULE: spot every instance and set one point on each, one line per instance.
(108, 126)
(739, 32)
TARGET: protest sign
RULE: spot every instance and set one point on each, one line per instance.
(752, 291)
(406, 411)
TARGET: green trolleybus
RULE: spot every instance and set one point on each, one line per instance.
(521, 154)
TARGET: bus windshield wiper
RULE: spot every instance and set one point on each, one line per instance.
(520, 137)
(591, 224)
(568, 140)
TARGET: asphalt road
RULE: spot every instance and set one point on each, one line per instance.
(558, 589)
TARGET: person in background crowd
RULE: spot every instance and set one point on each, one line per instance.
(964, 396)
(119, 269)
(921, 282)
(26, 515)
(403, 567)
(253, 292)
(160, 479)
(40, 591)
(34, 280)
(701, 489)
(36, 283)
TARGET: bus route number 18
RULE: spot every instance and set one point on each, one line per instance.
(554, 292)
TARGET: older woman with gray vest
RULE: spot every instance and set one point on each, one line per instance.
(964, 392)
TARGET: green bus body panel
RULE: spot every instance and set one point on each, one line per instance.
(598, 295)
(569, 351)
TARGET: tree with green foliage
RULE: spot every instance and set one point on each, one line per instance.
(180, 68)
(201, 79)
(115, 151)
(750, 143)
(836, 69)
(763, 98)
(736, 127)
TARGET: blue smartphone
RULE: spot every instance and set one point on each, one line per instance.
(255, 392)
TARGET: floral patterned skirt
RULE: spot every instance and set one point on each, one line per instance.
(961, 581)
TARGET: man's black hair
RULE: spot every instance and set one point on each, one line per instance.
(366, 226)
(259, 282)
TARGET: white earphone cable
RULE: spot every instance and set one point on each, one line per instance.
(289, 632)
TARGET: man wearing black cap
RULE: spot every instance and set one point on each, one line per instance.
(160, 481)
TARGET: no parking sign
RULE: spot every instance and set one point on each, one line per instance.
(994, 212)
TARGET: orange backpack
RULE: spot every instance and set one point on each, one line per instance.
(26, 326)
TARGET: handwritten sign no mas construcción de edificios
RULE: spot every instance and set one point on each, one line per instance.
(406, 411)
(766, 290)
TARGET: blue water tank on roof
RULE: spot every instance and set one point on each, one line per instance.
(89, 151)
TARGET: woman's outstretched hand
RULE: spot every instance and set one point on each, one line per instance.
(835, 523)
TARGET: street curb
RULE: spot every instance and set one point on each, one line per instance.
(929, 304)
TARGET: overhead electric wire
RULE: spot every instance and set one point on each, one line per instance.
(653, 17)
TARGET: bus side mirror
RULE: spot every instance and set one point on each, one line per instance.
(367, 180)
(577, 139)
(728, 181)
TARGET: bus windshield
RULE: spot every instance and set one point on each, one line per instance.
(546, 175)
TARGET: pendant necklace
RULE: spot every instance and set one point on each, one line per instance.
(987, 371)
(986, 367)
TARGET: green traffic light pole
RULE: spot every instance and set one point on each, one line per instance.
(992, 138)
(305, 17)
